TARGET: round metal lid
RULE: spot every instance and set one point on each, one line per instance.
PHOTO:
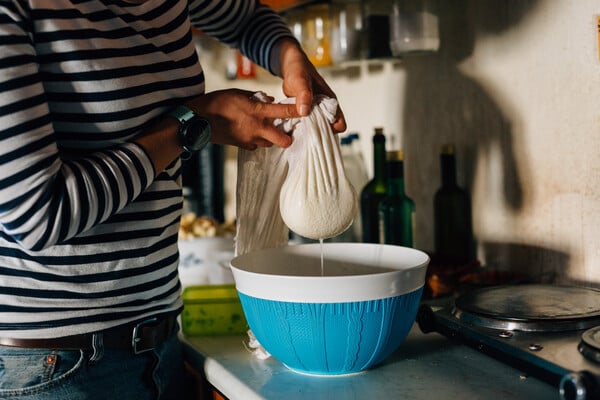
(590, 344)
(534, 307)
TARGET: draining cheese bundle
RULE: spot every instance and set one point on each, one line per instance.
(316, 200)
(303, 188)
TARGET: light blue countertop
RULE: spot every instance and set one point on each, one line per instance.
(425, 366)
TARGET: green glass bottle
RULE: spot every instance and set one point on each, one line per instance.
(374, 191)
(453, 234)
(396, 210)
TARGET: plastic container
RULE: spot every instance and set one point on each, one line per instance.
(205, 261)
(414, 27)
(340, 317)
(212, 310)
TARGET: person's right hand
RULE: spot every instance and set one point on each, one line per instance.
(239, 119)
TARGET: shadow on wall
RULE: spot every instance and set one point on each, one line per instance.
(443, 105)
(542, 264)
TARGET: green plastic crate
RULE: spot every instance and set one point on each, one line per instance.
(212, 310)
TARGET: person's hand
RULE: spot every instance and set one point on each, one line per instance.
(302, 81)
(237, 118)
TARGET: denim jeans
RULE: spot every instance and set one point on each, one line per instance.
(43, 374)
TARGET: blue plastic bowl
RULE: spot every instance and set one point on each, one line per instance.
(346, 320)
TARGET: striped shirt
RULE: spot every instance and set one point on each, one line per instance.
(88, 237)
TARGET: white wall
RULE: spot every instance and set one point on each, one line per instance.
(516, 86)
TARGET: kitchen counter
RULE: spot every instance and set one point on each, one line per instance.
(425, 366)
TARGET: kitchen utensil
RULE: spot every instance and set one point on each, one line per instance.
(341, 316)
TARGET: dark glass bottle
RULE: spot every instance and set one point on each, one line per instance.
(396, 210)
(453, 232)
(374, 191)
(203, 182)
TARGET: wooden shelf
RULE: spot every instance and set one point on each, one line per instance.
(283, 5)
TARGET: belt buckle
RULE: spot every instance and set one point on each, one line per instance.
(135, 339)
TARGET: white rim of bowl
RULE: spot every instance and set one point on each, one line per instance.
(406, 278)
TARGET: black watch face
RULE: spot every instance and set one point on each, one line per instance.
(197, 134)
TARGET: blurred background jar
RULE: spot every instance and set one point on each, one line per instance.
(414, 27)
(376, 23)
(295, 21)
(315, 34)
(245, 67)
(346, 31)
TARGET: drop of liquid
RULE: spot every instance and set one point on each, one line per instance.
(322, 268)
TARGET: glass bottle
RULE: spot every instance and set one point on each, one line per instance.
(374, 191)
(453, 234)
(396, 210)
(203, 179)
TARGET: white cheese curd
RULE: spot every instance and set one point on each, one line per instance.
(317, 200)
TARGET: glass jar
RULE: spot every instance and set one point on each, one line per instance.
(295, 20)
(315, 35)
(414, 27)
(376, 22)
(346, 30)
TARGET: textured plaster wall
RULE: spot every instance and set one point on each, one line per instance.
(516, 86)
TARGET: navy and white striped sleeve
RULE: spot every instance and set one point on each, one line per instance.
(247, 25)
(44, 199)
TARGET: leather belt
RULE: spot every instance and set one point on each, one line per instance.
(140, 337)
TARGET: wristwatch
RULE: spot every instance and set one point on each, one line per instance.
(194, 130)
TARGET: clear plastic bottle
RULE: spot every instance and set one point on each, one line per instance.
(357, 174)
(354, 162)
(355, 136)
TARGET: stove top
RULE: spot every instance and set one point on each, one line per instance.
(550, 332)
(590, 344)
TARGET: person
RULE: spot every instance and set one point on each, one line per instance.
(90, 180)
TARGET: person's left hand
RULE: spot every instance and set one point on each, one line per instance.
(302, 81)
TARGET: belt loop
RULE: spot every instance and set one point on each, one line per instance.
(98, 347)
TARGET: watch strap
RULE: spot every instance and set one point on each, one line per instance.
(182, 113)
